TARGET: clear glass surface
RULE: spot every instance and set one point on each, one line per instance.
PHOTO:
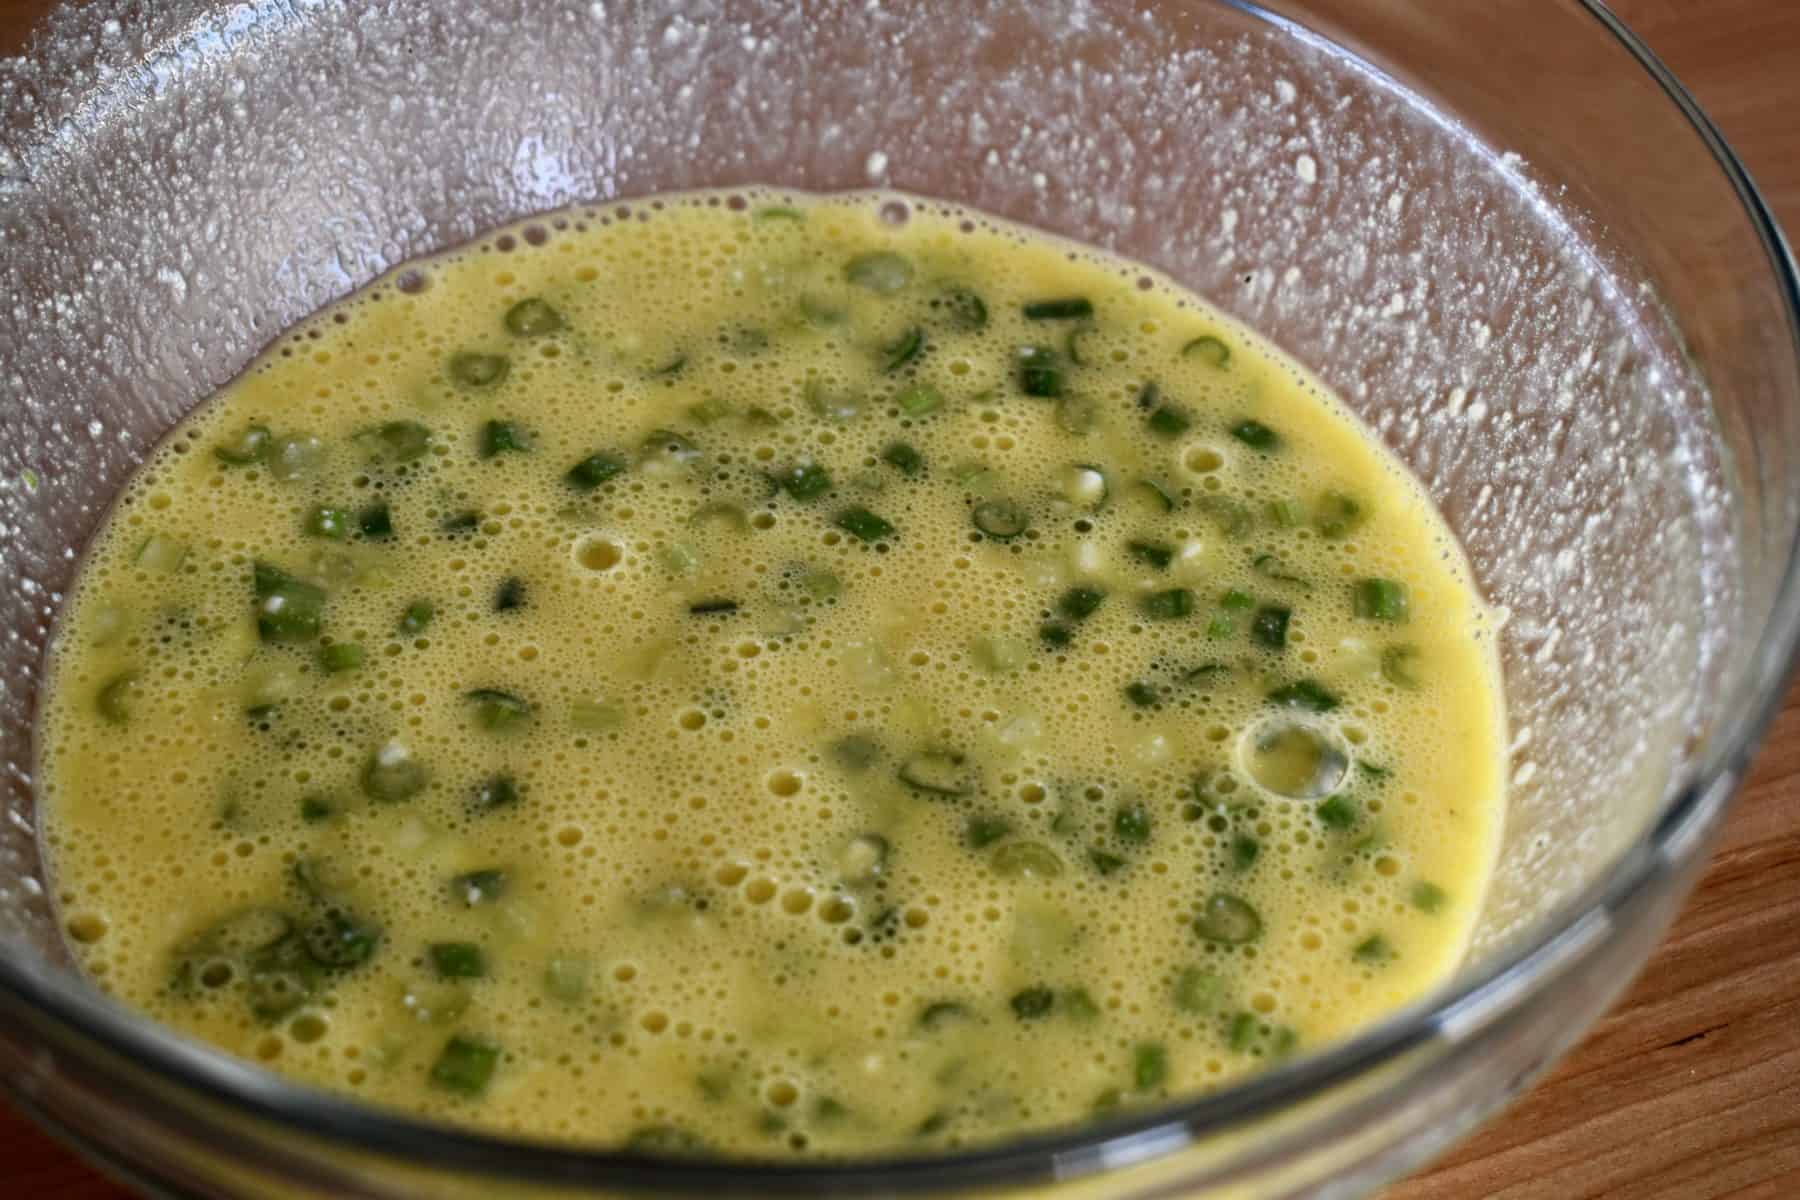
(1515, 247)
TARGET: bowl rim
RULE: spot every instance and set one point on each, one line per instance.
(1452, 1013)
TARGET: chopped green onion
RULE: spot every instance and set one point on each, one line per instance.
(1141, 694)
(593, 471)
(287, 609)
(1256, 435)
(1152, 554)
(1336, 813)
(1230, 515)
(903, 350)
(1076, 414)
(936, 773)
(1229, 919)
(1287, 513)
(999, 519)
(251, 445)
(1132, 824)
(984, 829)
(903, 458)
(670, 367)
(1374, 949)
(401, 441)
(921, 399)
(473, 370)
(496, 791)
(942, 1012)
(1209, 350)
(1244, 851)
(1149, 1066)
(1269, 627)
(1206, 674)
(1104, 862)
(510, 594)
(712, 608)
(1197, 990)
(465, 1065)
(392, 774)
(457, 524)
(1079, 344)
(116, 697)
(1029, 1004)
(1396, 666)
(864, 525)
(417, 616)
(1156, 493)
(340, 657)
(1380, 600)
(1428, 897)
(1306, 694)
(881, 271)
(1080, 602)
(1025, 860)
(332, 523)
(1071, 308)
(375, 522)
(532, 317)
(458, 960)
(497, 710)
(340, 939)
(1169, 421)
(805, 481)
(478, 887)
(1336, 515)
(503, 437)
(1167, 605)
(161, 554)
(1039, 374)
(966, 310)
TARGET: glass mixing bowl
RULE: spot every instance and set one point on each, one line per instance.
(1510, 241)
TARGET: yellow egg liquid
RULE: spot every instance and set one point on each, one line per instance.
(766, 674)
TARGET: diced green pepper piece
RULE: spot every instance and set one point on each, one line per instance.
(1228, 919)
(1132, 823)
(1080, 602)
(496, 710)
(1244, 851)
(504, 437)
(1039, 373)
(248, 446)
(1198, 990)
(1269, 627)
(919, 400)
(1141, 694)
(117, 697)
(510, 594)
(965, 310)
(287, 609)
(465, 1065)
(1380, 600)
(341, 656)
(376, 522)
(1168, 421)
(593, 471)
(864, 525)
(1336, 813)
(458, 960)
(471, 370)
(1149, 1066)
(1069, 308)
(1428, 897)
(392, 774)
(331, 523)
(1167, 605)
(1256, 435)
(1151, 554)
(1033, 1003)
(805, 481)
(984, 829)
(882, 272)
(1374, 950)
(532, 317)
(1306, 694)
(903, 458)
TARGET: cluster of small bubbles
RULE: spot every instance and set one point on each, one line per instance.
(750, 766)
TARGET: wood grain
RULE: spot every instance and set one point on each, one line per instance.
(1690, 1088)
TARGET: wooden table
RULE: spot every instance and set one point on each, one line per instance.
(1690, 1089)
